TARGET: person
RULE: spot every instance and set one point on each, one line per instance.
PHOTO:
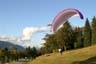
(61, 50)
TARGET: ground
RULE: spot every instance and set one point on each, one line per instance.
(79, 56)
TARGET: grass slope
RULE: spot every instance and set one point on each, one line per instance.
(80, 56)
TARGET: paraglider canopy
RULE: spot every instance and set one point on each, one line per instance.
(63, 16)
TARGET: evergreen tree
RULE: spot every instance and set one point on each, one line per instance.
(28, 52)
(51, 43)
(87, 34)
(31, 52)
(4, 55)
(42, 50)
(94, 30)
(65, 36)
(15, 54)
(78, 37)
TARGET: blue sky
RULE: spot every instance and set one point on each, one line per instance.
(15, 15)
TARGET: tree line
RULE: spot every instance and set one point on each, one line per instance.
(69, 37)
(7, 55)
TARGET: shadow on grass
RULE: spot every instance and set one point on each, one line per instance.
(91, 60)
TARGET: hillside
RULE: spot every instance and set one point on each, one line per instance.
(9, 45)
(80, 56)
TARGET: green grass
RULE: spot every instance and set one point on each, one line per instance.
(79, 56)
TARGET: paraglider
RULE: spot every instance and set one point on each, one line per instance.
(63, 16)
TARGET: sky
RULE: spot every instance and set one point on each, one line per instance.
(18, 17)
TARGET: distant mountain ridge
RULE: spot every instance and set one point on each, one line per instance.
(9, 45)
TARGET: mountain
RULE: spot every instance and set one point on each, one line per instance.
(9, 45)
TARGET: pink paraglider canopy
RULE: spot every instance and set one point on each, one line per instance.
(63, 16)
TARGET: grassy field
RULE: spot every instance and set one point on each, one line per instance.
(80, 56)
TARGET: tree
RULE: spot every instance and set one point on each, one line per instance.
(42, 50)
(94, 30)
(31, 52)
(51, 43)
(87, 34)
(65, 36)
(28, 52)
(34, 52)
(14, 53)
(4, 54)
(78, 37)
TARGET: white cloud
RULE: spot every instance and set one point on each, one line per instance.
(5, 38)
(29, 31)
(26, 35)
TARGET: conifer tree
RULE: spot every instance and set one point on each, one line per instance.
(87, 34)
(78, 37)
(64, 36)
(94, 30)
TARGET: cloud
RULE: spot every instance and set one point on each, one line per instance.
(26, 34)
(5, 38)
(29, 31)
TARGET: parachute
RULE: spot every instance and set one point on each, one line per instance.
(63, 16)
